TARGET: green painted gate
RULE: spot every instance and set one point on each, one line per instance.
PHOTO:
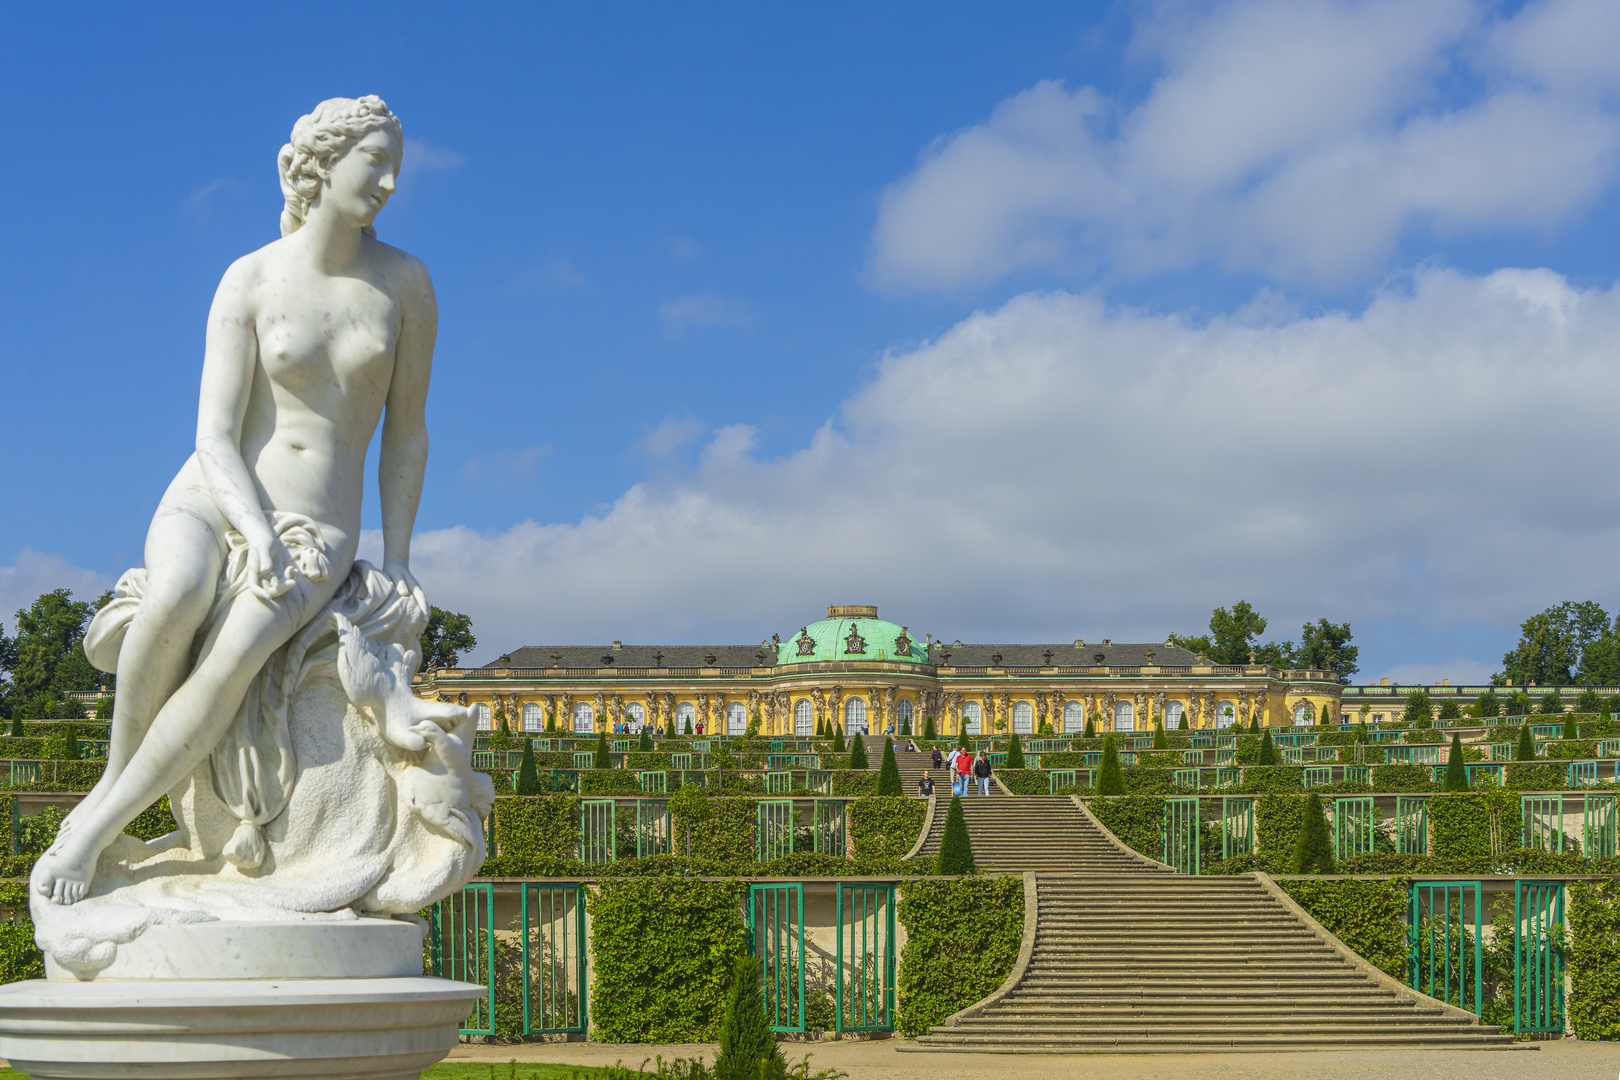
(1353, 823)
(829, 831)
(773, 829)
(555, 1000)
(776, 940)
(596, 822)
(1538, 960)
(1542, 822)
(1445, 958)
(1411, 825)
(1237, 826)
(865, 958)
(652, 827)
(1598, 827)
(1178, 835)
(464, 948)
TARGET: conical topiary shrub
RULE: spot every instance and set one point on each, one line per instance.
(1313, 851)
(1161, 741)
(1183, 726)
(688, 730)
(604, 756)
(1572, 730)
(1091, 729)
(645, 745)
(1268, 750)
(1015, 753)
(528, 777)
(928, 728)
(1526, 750)
(17, 729)
(955, 847)
(748, 1048)
(1110, 780)
(962, 739)
(1456, 773)
(838, 739)
(905, 725)
(889, 782)
(857, 752)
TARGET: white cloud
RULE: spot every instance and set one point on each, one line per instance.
(35, 573)
(1061, 469)
(423, 156)
(1289, 137)
(671, 435)
(703, 309)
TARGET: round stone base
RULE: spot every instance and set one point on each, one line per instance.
(348, 948)
(242, 1029)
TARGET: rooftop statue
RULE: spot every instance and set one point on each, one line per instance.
(263, 671)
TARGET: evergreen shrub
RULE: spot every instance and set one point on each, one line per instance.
(955, 846)
(857, 752)
(1313, 847)
(889, 782)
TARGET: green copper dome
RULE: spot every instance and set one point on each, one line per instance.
(851, 632)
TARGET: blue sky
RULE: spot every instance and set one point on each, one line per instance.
(1024, 322)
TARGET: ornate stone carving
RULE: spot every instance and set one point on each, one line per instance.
(805, 644)
(854, 644)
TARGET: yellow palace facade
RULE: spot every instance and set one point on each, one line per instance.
(870, 675)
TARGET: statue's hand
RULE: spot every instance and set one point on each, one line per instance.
(405, 584)
(268, 564)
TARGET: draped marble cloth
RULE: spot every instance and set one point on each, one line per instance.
(304, 809)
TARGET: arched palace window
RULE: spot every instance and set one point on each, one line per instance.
(804, 718)
(1124, 716)
(481, 710)
(636, 714)
(970, 718)
(1023, 718)
(1173, 713)
(904, 713)
(1225, 714)
(534, 717)
(1304, 714)
(1074, 717)
(736, 718)
(584, 717)
(685, 716)
(855, 716)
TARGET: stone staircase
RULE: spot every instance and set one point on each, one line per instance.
(912, 766)
(1129, 957)
(1014, 833)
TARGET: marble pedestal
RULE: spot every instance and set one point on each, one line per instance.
(242, 1000)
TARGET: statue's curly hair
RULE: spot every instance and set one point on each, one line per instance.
(317, 141)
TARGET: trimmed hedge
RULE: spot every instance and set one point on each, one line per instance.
(883, 828)
(1594, 959)
(1368, 916)
(1138, 820)
(962, 938)
(1459, 822)
(662, 953)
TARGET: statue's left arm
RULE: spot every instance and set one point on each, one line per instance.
(403, 457)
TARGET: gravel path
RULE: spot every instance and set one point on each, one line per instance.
(877, 1060)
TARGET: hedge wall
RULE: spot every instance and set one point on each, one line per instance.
(882, 828)
(1594, 959)
(962, 938)
(1459, 822)
(1368, 916)
(1138, 820)
(662, 953)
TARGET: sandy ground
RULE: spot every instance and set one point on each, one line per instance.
(879, 1060)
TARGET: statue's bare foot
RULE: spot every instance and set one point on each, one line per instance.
(62, 875)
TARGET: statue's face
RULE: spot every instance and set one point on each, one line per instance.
(360, 182)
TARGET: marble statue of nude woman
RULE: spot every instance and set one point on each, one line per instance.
(311, 341)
